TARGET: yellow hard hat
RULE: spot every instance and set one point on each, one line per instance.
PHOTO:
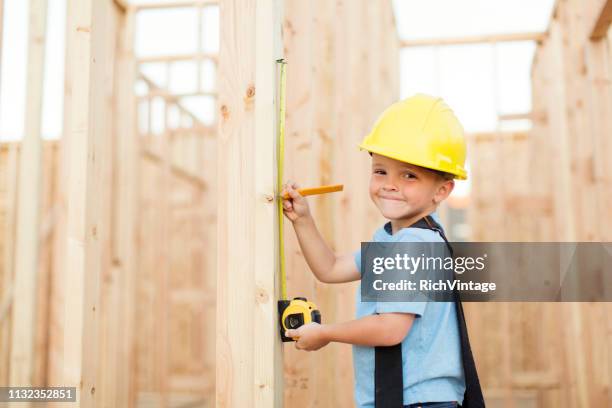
(421, 130)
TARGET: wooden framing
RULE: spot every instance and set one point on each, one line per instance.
(108, 262)
(564, 207)
(493, 38)
(119, 379)
(559, 190)
(301, 374)
(11, 171)
(176, 4)
(122, 5)
(599, 103)
(178, 57)
(178, 206)
(176, 171)
(157, 90)
(249, 361)
(84, 136)
(604, 19)
(515, 116)
(175, 96)
(91, 272)
(342, 72)
(23, 331)
(5, 305)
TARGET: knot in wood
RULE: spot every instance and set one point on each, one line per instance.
(225, 112)
(262, 296)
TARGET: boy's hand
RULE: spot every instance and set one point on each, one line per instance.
(309, 337)
(296, 207)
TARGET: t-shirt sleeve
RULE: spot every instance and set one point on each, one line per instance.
(417, 308)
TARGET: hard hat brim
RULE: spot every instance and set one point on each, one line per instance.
(459, 175)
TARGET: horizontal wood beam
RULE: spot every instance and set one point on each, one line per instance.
(178, 57)
(7, 145)
(175, 96)
(492, 137)
(491, 38)
(602, 24)
(178, 4)
(514, 116)
(535, 116)
(153, 86)
(177, 171)
(204, 131)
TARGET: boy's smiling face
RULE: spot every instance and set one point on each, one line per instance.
(404, 192)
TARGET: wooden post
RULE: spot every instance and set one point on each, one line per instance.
(108, 310)
(27, 248)
(329, 391)
(249, 360)
(564, 202)
(87, 108)
(126, 216)
(162, 277)
(599, 63)
(8, 235)
(300, 368)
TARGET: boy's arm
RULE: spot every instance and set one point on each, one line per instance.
(324, 264)
(386, 329)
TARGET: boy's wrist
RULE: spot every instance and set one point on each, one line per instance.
(303, 221)
(327, 332)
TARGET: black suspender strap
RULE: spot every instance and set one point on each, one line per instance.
(473, 397)
(388, 377)
(388, 370)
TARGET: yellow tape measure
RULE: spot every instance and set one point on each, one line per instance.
(279, 176)
(297, 312)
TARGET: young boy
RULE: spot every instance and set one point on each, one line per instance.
(417, 148)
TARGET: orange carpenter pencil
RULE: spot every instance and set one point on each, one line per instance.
(318, 190)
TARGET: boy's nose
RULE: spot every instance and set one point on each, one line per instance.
(389, 187)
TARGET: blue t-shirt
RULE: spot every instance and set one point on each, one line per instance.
(431, 352)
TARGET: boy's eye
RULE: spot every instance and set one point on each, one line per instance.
(409, 175)
(378, 171)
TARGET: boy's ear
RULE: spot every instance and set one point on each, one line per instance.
(445, 188)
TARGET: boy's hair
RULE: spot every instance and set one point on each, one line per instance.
(442, 174)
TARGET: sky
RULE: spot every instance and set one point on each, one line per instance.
(465, 76)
